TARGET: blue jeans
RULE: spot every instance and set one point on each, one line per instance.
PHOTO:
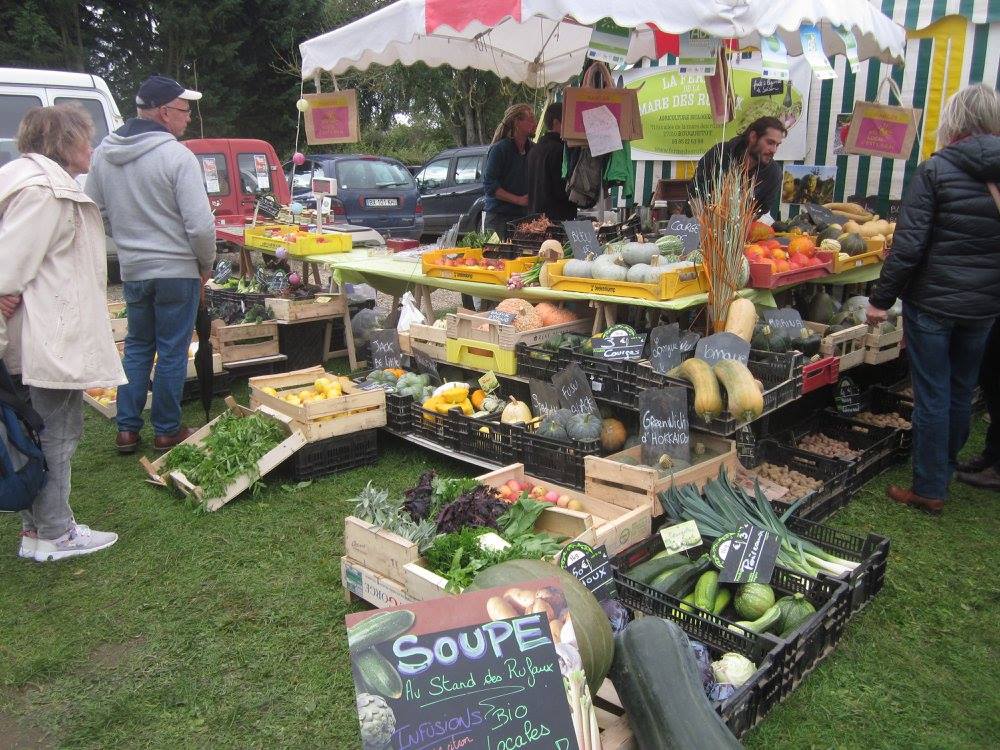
(161, 315)
(944, 367)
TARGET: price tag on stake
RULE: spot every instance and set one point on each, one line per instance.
(784, 319)
(501, 317)
(663, 425)
(544, 397)
(592, 567)
(574, 389)
(489, 382)
(665, 348)
(680, 537)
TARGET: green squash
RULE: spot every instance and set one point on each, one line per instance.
(580, 268)
(584, 427)
(550, 428)
(829, 232)
(822, 308)
(753, 600)
(636, 253)
(610, 270)
(590, 623)
(852, 244)
(562, 416)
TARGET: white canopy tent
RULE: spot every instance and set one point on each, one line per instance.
(538, 42)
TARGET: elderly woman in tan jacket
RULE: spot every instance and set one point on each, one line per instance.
(53, 282)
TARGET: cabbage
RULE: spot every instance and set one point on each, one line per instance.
(670, 244)
(733, 669)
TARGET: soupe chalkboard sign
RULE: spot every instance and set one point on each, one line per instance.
(385, 349)
(664, 427)
(574, 390)
(482, 672)
(721, 346)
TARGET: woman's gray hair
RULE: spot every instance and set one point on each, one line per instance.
(974, 110)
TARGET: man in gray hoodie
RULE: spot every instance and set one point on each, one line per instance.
(152, 197)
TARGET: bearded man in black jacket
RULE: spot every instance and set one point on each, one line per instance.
(945, 266)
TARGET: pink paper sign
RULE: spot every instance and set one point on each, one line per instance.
(332, 122)
(881, 134)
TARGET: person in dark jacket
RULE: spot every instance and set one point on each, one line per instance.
(983, 471)
(945, 266)
(756, 146)
(546, 185)
(505, 175)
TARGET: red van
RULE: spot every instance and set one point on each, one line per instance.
(235, 170)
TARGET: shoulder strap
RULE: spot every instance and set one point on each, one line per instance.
(9, 397)
(995, 192)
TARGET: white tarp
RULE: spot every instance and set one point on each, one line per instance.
(538, 42)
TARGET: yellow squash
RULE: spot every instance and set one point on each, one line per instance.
(746, 402)
(707, 399)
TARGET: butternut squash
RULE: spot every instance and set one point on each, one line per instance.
(746, 402)
(742, 318)
(707, 399)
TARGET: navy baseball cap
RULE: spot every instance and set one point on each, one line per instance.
(158, 90)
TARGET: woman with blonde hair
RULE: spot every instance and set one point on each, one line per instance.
(53, 286)
(945, 265)
(505, 176)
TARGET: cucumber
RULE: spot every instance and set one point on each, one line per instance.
(657, 565)
(706, 589)
(378, 674)
(722, 597)
(687, 603)
(379, 628)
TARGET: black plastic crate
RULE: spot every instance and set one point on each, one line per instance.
(432, 426)
(878, 446)
(752, 701)
(220, 386)
(819, 505)
(871, 551)
(554, 232)
(611, 380)
(332, 455)
(500, 443)
(302, 343)
(881, 400)
(556, 460)
(538, 362)
(214, 297)
(398, 412)
(809, 644)
(781, 387)
(504, 251)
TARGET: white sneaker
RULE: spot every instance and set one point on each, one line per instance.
(79, 540)
(28, 546)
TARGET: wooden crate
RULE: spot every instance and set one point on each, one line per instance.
(267, 463)
(354, 411)
(604, 522)
(365, 584)
(883, 347)
(847, 345)
(404, 343)
(296, 310)
(111, 410)
(119, 326)
(238, 343)
(477, 327)
(634, 486)
(383, 552)
(429, 340)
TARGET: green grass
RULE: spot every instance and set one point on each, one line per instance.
(226, 630)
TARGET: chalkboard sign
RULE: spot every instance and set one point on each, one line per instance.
(687, 229)
(746, 556)
(746, 447)
(424, 364)
(592, 567)
(847, 397)
(574, 390)
(385, 349)
(819, 214)
(544, 397)
(482, 672)
(277, 284)
(501, 317)
(721, 346)
(582, 238)
(223, 271)
(668, 348)
(619, 342)
(785, 319)
(766, 86)
(663, 424)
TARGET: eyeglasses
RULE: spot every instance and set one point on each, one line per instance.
(186, 110)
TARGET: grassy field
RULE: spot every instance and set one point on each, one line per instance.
(226, 630)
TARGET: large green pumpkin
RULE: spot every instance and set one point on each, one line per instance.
(590, 624)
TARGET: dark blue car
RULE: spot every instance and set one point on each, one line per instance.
(371, 191)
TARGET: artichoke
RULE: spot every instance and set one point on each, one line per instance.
(378, 722)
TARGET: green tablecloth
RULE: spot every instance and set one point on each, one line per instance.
(854, 276)
(394, 277)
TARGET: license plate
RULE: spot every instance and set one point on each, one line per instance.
(381, 202)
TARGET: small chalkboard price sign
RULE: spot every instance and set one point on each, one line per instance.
(745, 556)
(582, 238)
(766, 86)
(482, 672)
(425, 365)
(619, 342)
(784, 319)
(721, 346)
(385, 349)
(592, 567)
(574, 390)
(663, 424)
(544, 397)
(687, 229)
(501, 317)
(668, 347)
(820, 214)
(847, 397)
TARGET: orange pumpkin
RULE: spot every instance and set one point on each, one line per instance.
(803, 245)
(613, 434)
(477, 398)
(779, 255)
(760, 231)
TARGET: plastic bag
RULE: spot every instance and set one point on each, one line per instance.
(408, 314)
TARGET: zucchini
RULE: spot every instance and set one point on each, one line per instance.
(657, 681)
(679, 581)
(722, 598)
(657, 565)
(764, 623)
(706, 589)
(687, 603)
(379, 628)
(378, 674)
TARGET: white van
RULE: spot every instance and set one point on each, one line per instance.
(21, 89)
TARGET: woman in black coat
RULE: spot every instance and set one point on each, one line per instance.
(945, 265)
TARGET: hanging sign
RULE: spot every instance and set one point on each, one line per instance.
(850, 47)
(609, 42)
(699, 53)
(663, 425)
(544, 397)
(745, 556)
(331, 117)
(721, 346)
(592, 567)
(773, 59)
(582, 238)
(766, 86)
(481, 672)
(385, 349)
(812, 50)
(619, 342)
(574, 390)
